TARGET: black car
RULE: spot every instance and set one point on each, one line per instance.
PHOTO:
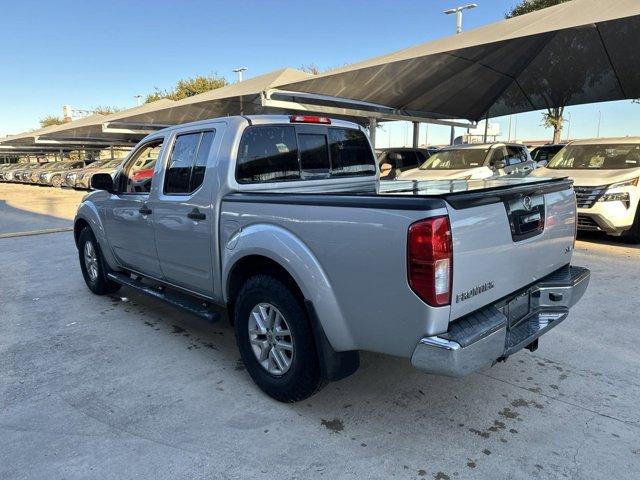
(542, 155)
(400, 159)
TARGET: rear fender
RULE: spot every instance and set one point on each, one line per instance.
(292, 254)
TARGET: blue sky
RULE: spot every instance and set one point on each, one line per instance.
(90, 53)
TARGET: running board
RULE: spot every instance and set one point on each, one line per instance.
(200, 308)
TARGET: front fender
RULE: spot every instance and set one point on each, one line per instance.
(292, 254)
(88, 212)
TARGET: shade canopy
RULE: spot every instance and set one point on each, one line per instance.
(93, 128)
(29, 138)
(578, 52)
(234, 99)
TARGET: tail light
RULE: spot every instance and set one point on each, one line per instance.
(309, 119)
(430, 260)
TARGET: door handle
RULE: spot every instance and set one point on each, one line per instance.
(144, 210)
(196, 214)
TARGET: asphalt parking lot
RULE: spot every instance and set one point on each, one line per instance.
(126, 387)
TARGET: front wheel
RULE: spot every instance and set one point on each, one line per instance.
(275, 340)
(92, 265)
(633, 234)
(56, 181)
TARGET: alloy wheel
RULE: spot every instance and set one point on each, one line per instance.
(271, 339)
(91, 260)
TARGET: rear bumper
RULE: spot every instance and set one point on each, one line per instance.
(491, 334)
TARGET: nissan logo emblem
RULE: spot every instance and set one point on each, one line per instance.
(527, 203)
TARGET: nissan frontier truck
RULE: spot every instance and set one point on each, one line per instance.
(282, 221)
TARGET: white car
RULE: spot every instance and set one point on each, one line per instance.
(474, 162)
(605, 174)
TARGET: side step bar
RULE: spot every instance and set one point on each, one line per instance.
(200, 308)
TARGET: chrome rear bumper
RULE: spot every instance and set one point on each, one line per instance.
(493, 333)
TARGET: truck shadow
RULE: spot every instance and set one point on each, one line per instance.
(604, 239)
(16, 220)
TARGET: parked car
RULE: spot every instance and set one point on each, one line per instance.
(33, 176)
(83, 180)
(5, 168)
(605, 172)
(53, 176)
(393, 161)
(473, 162)
(69, 178)
(541, 155)
(277, 219)
(8, 174)
(23, 175)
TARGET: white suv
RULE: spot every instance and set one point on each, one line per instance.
(605, 174)
(473, 162)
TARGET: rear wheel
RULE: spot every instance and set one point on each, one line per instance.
(92, 265)
(275, 340)
(56, 181)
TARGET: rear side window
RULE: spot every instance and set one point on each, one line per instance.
(350, 153)
(187, 163)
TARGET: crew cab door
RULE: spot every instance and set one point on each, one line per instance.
(128, 219)
(184, 215)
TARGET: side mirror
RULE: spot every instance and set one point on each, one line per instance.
(102, 181)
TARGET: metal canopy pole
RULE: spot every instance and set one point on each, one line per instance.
(373, 126)
(486, 128)
(416, 133)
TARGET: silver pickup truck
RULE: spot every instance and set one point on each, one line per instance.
(282, 222)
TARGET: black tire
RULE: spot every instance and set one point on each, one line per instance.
(97, 280)
(303, 378)
(633, 234)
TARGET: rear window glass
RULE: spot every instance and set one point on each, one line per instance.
(276, 153)
(314, 155)
(268, 154)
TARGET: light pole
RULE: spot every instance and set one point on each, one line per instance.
(238, 71)
(599, 120)
(458, 11)
(138, 98)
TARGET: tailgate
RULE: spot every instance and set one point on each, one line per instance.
(507, 238)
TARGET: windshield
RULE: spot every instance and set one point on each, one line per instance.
(453, 159)
(597, 157)
(112, 163)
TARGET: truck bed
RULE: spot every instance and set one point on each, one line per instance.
(354, 247)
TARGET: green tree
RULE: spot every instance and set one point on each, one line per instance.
(50, 120)
(188, 88)
(105, 110)
(554, 116)
(311, 68)
(528, 6)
